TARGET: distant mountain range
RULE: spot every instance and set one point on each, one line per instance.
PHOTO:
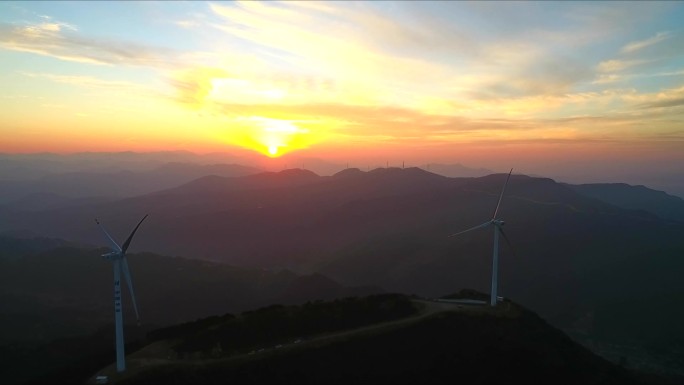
(585, 260)
(635, 198)
(74, 188)
(456, 170)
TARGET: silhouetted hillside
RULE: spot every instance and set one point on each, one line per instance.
(442, 344)
(265, 180)
(457, 170)
(51, 292)
(302, 288)
(635, 198)
(279, 324)
(577, 260)
(56, 298)
(15, 248)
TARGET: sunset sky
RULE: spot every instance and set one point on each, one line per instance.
(490, 84)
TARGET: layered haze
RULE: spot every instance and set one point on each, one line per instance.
(602, 261)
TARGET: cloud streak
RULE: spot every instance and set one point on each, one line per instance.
(86, 81)
(641, 44)
(54, 40)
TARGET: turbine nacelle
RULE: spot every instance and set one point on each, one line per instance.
(498, 222)
(112, 255)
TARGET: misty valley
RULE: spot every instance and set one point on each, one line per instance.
(248, 276)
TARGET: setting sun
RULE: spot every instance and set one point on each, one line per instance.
(269, 136)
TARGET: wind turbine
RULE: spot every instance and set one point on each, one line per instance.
(497, 224)
(118, 257)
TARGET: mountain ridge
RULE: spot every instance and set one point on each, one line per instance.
(637, 197)
(426, 345)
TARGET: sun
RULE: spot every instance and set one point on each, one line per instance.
(272, 137)
(279, 136)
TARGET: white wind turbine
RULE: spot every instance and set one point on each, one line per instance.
(118, 257)
(496, 223)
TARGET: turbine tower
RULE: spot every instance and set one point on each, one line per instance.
(118, 257)
(497, 224)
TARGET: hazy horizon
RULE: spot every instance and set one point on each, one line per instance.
(668, 179)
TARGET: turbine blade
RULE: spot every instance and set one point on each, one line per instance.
(472, 228)
(508, 241)
(127, 276)
(128, 241)
(501, 196)
(115, 246)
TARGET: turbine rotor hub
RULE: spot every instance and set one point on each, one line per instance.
(112, 256)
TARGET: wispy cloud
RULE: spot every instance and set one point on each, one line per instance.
(193, 86)
(403, 123)
(607, 78)
(641, 44)
(414, 50)
(187, 23)
(666, 103)
(85, 81)
(616, 65)
(668, 98)
(60, 40)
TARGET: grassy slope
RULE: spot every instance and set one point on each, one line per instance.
(510, 345)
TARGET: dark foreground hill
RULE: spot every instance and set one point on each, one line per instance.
(56, 305)
(379, 339)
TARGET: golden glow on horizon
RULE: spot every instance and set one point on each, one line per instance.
(269, 136)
